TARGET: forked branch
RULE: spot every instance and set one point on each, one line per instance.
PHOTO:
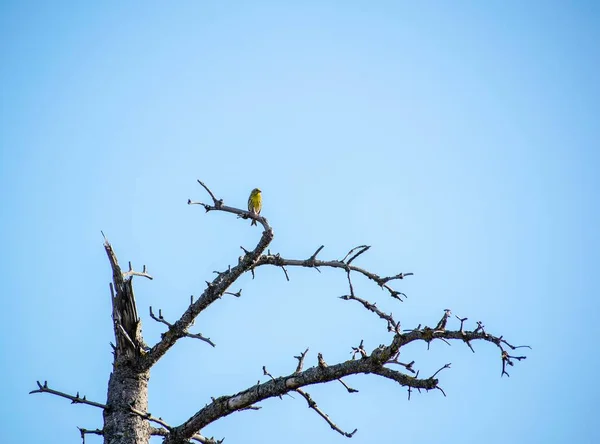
(215, 288)
(312, 262)
(162, 320)
(225, 405)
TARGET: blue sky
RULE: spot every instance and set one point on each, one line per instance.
(459, 140)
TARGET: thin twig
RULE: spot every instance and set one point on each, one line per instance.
(215, 201)
(409, 366)
(444, 367)
(313, 405)
(132, 272)
(84, 432)
(301, 360)
(162, 320)
(361, 249)
(393, 326)
(359, 350)
(74, 399)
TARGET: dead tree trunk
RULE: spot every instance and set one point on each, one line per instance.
(126, 417)
(126, 388)
(128, 382)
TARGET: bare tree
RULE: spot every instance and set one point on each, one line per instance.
(126, 417)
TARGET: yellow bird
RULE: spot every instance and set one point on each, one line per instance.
(255, 203)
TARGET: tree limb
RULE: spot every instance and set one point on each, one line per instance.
(427, 334)
(214, 290)
(226, 405)
(312, 262)
(313, 405)
(74, 399)
(162, 320)
(374, 363)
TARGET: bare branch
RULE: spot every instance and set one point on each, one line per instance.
(215, 289)
(84, 432)
(218, 206)
(226, 405)
(347, 387)
(480, 327)
(313, 405)
(128, 336)
(301, 360)
(402, 378)
(249, 262)
(159, 318)
(77, 399)
(361, 249)
(74, 399)
(323, 364)
(360, 350)
(162, 320)
(167, 428)
(506, 360)
(216, 202)
(314, 256)
(469, 345)
(132, 272)
(428, 335)
(444, 367)
(350, 283)
(149, 417)
(462, 321)
(311, 262)
(409, 366)
(514, 347)
(393, 326)
(266, 372)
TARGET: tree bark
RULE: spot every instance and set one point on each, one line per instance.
(128, 382)
(127, 388)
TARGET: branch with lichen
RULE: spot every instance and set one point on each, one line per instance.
(275, 387)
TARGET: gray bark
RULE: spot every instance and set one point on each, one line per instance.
(126, 388)
(128, 382)
(126, 417)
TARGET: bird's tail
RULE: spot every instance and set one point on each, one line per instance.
(253, 222)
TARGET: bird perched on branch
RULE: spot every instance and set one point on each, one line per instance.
(255, 203)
